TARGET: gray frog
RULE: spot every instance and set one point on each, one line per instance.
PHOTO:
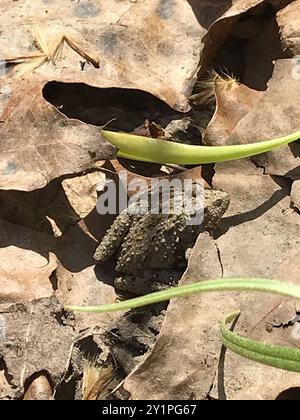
(152, 247)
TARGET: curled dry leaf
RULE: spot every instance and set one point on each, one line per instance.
(124, 176)
(264, 48)
(39, 389)
(228, 114)
(222, 27)
(274, 114)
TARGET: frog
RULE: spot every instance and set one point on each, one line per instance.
(151, 247)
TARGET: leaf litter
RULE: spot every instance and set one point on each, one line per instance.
(132, 62)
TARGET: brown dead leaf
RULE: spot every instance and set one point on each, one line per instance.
(222, 27)
(78, 280)
(85, 287)
(82, 192)
(245, 35)
(47, 210)
(262, 237)
(39, 389)
(50, 147)
(95, 380)
(228, 114)
(295, 194)
(265, 48)
(275, 324)
(262, 232)
(275, 114)
(106, 43)
(38, 337)
(175, 364)
(289, 23)
(5, 389)
(26, 264)
(235, 102)
(261, 227)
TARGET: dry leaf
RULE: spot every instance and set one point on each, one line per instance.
(38, 337)
(41, 210)
(95, 380)
(224, 25)
(152, 45)
(86, 287)
(275, 114)
(295, 194)
(26, 264)
(265, 48)
(289, 23)
(6, 392)
(233, 102)
(262, 233)
(50, 147)
(82, 192)
(39, 389)
(181, 364)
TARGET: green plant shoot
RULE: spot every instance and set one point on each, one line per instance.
(218, 285)
(268, 354)
(276, 356)
(147, 149)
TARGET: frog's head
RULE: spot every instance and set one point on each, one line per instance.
(215, 205)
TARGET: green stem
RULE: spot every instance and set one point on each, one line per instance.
(269, 354)
(218, 285)
(161, 151)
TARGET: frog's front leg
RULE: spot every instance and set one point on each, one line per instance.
(114, 237)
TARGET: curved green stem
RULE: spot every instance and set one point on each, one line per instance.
(161, 151)
(218, 285)
(269, 354)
